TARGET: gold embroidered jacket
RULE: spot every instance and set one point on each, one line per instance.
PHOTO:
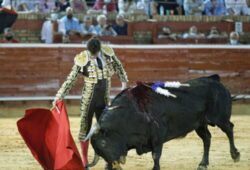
(86, 66)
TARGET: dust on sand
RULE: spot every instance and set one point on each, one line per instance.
(184, 154)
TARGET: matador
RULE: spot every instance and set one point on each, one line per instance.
(97, 64)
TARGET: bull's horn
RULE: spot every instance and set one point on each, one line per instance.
(95, 161)
(94, 129)
(112, 107)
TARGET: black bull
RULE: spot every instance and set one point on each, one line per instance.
(141, 119)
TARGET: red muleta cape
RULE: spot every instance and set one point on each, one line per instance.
(47, 135)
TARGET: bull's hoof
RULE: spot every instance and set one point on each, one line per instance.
(236, 156)
(108, 167)
(202, 167)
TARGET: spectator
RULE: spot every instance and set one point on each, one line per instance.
(234, 38)
(87, 28)
(9, 36)
(215, 7)
(237, 7)
(120, 26)
(47, 6)
(79, 5)
(193, 33)
(103, 6)
(48, 29)
(90, 2)
(214, 33)
(28, 6)
(193, 7)
(62, 5)
(180, 8)
(126, 6)
(6, 4)
(103, 28)
(166, 33)
(167, 7)
(71, 24)
(146, 6)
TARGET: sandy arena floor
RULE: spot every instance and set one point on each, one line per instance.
(184, 154)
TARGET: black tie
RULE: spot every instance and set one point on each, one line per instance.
(99, 62)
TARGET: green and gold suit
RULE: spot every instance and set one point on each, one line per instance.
(97, 84)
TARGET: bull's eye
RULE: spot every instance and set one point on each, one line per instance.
(103, 143)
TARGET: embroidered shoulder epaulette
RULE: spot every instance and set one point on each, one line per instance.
(108, 50)
(81, 59)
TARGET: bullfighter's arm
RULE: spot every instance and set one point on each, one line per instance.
(117, 65)
(80, 61)
(68, 84)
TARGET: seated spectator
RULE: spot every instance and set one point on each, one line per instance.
(193, 33)
(72, 25)
(120, 26)
(47, 31)
(103, 6)
(126, 6)
(62, 5)
(193, 7)
(103, 28)
(167, 7)
(215, 8)
(145, 5)
(87, 28)
(234, 38)
(136, 7)
(6, 4)
(28, 6)
(237, 7)
(180, 8)
(79, 5)
(47, 6)
(8, 36)
(214, 33)
(90, 2)
(166, 33)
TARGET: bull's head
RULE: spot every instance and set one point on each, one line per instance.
(110, 146)
(107, 141)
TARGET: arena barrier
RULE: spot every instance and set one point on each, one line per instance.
(36, 71)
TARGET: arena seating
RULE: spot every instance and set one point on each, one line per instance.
(28, 29)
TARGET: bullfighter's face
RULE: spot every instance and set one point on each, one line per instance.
(110, 146)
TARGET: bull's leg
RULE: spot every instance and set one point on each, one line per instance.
(205, 135)
(228, 129)
(156, 154)
(109, 166)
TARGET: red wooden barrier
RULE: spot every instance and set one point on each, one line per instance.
(40, 70)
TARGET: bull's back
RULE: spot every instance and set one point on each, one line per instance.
(205, 100)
